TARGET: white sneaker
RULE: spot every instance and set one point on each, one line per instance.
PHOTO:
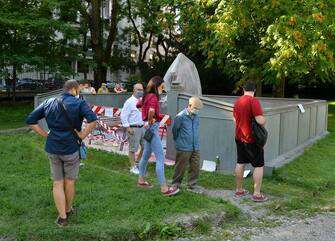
(135, 170)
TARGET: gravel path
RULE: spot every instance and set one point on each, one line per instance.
(294, 227)
(318, 228)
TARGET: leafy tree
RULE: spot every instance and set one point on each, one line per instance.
(32, 35)
(302, 44)
(152, 26)
(103, 33)
(268, 41)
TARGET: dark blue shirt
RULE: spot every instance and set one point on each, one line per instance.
(60, 140)
(185, 131)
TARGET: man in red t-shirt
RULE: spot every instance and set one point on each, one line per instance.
(246, 108)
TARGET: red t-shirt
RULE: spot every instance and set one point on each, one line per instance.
(150, 101)
(245, 108)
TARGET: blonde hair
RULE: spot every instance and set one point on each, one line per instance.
(70, 84)
(196, 102)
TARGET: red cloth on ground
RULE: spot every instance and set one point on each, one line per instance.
(245, 108)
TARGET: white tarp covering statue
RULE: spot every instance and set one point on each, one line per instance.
(183, 72)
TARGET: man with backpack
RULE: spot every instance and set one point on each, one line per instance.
(62, 142)
(247, 108)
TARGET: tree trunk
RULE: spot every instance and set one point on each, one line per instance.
(102, 52)
(282, 88)
(138, 34)
(84, 51)
(259, 86)
(100, 73)
(14, 84)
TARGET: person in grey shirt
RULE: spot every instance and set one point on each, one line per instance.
(131, 118)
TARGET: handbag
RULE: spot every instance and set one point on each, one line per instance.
(82, 146)
(259, 133)
(148, 135)
(82, 151)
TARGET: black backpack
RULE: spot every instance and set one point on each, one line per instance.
(259, 133)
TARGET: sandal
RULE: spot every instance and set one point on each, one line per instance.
(259, 198)
(241, 193)
(171, 191)
(145, 185)
(61, 222)
(72, 211)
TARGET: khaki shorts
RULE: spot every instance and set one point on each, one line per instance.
(135, 139)
(64, 166)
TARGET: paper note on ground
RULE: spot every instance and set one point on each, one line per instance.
(246, 173)
(208, 166)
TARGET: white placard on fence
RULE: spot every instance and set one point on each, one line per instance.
(109, 112)
(301, 108)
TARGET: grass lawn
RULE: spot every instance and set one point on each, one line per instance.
(111, 206)
(14, 115)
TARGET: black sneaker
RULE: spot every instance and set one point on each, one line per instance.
(61, 222)
(72, 211)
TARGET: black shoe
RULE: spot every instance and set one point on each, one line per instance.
(72, 212)
(61, 222)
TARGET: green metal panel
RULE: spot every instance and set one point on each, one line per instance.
(111, 99)
(320, 120)
(271, 149)
(303, 125)
(288, 131)
(312, 123)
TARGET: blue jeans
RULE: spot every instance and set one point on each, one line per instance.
(156, 147)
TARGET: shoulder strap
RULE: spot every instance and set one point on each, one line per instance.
(251, 99)
(67, 118)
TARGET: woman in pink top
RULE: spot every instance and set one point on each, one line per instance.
(151, 113)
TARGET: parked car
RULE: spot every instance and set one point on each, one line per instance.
(110, 85)
(28, 84)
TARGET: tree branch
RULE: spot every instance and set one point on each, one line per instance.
(139, 37)
(148, 47)
(112, 31)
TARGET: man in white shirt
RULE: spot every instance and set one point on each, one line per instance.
(131, 118)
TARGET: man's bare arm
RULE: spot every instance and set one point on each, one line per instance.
(89, 128)
(260, 119)
(39, 130)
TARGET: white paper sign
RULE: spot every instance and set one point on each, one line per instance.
(208, 166)
(109, 112)
(301, 108)
(246, 173)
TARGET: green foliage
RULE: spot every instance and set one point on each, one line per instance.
(33, 33)
(14, 115)
(302, 42)
(169, 230)
(267, 41)
(202, 226)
